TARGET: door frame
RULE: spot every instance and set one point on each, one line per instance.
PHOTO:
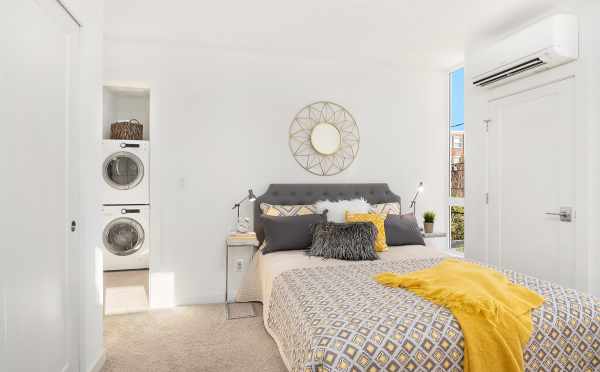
(65, 18)
(502, 253)
(581, 148)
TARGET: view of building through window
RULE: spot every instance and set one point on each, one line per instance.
(456, 157)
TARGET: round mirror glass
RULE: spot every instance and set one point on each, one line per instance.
(325, 138)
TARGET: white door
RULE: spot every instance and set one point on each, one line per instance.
(532, 173)
(39, 188)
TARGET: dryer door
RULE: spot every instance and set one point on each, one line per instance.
(123, 170)
(123, 236)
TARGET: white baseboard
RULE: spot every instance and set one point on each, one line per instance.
(200, 300)
(98, 364)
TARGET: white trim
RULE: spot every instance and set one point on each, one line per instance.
(452, 201)
(554, 76)
(568, 71)
(98, 364)
(128, 85)
(456, 67)
(532, 82)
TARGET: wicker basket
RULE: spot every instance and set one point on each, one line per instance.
(127, 130)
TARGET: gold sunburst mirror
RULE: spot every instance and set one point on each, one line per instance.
(324, 138)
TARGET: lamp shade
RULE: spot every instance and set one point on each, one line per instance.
(420, 188)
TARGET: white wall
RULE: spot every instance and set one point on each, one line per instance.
(220, 121)
(90, 13)
(588, 113)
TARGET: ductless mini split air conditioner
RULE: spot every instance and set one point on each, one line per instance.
(547, 44)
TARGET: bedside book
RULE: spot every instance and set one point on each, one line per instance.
(242, 239)
(242, 236)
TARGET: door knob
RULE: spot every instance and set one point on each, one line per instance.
(565, 214)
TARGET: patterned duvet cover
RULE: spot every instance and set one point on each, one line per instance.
(337, 318)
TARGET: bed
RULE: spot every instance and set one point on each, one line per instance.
(330, 315)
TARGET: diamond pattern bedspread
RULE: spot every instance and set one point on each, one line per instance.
(338, 318)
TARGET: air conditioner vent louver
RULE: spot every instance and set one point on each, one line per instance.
(547, 44)
(509, 72)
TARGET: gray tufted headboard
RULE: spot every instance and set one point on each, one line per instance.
(289, 194)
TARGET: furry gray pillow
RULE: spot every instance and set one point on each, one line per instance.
(344, 241)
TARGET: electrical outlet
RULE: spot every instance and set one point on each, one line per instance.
(239, 265)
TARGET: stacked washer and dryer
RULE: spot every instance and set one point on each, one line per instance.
(126, 209)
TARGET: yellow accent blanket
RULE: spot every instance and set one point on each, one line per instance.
(494, 314)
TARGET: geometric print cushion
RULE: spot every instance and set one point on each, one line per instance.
(287, 210)
(386, 208)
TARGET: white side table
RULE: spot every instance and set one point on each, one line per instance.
(436, 240)
(242, 250)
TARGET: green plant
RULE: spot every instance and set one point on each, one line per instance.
(457, 223)
(429, 216)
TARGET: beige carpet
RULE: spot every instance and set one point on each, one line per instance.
(189, 338)
(125, 291)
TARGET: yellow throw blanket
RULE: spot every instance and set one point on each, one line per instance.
(494, 314)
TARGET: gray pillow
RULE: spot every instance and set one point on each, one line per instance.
(402, 230)
(344, 241)
(289, 232)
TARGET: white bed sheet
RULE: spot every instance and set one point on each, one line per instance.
(263, 269)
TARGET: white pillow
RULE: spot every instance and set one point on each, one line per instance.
(336, 211)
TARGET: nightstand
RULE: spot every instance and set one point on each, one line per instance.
(436, 239)
(240, 249)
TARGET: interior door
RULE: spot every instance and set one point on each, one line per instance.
(531, 177)
(39, 167)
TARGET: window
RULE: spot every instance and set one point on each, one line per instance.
(457, 142)
(456, 160)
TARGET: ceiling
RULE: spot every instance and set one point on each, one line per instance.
(382, 30)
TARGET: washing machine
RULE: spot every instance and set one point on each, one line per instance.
(125, 172)
(125, 237)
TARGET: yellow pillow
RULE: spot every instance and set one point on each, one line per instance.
(378, 221)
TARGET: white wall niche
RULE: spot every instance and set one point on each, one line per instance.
(125, 102)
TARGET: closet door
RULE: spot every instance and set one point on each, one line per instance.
(38, 142)
(532, 182)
